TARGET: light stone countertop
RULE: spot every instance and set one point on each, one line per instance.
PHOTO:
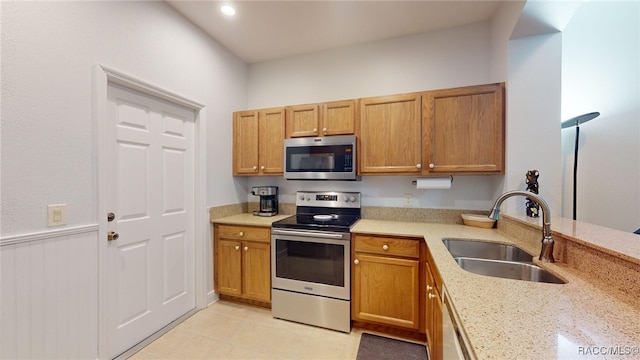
(512, 319)
(249, 219)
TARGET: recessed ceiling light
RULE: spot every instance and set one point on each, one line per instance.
(228, 10)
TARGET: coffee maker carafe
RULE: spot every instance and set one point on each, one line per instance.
(268, 200)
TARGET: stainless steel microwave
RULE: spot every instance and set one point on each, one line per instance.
(321, 158)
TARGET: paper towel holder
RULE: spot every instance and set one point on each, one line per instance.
(415, 182)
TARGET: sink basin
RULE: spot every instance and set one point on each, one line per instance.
(486, 250)
(508, 270)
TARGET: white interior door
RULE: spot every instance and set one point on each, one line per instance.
(150, 186)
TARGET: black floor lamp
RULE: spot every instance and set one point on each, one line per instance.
(576, 121)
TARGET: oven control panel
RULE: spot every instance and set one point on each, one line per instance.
(336, 199)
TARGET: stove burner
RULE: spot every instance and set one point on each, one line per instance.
(320, 217)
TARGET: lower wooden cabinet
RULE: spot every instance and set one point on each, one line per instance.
(386, 281)
(433, 321)
(433, 313)
(242, 258)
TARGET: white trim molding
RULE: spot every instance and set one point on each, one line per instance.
(47, 234)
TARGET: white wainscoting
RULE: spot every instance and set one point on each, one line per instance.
(49, 295)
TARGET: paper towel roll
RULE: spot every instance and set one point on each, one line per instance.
(434, 183)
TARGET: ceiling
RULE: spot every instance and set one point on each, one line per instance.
(267, 30)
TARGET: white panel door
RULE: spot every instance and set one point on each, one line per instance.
(151, 270)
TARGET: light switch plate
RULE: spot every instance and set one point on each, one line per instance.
(57, 215)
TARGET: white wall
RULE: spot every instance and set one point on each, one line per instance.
(533, 107)
(449, 58)
(48, 147)
(48, 51)
(601, 72)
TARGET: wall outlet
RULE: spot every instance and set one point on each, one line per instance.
(57, 215)
(408, 199)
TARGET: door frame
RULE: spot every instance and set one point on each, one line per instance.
(103, 76)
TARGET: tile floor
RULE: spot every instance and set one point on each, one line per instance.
(227, 330)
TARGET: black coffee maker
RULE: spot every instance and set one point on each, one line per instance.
(268, 200)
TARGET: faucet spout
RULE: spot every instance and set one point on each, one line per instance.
(546, 253)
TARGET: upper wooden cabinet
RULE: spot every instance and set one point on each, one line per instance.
(258, 142)
(338, 118)
(390, 135)
(302, 121)
(463, 130)
(326, 119)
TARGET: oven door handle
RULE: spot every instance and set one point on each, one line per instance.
(317, 234)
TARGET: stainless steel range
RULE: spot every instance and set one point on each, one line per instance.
(310, 260)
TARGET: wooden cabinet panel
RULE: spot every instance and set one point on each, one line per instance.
(258, 142)
(388, 246)
(244, 233)
(386, 291)
(302, 120)
(245, 142)
(464, 130)
(256, 275)
(242, 258)
(228, 264)
(390, 135)
(338, 118)
(271, 142)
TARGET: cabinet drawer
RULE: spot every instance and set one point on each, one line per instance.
(388, 246)
(244, 233)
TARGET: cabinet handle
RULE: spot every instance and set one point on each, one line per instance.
(315, 130)
(241, 233)
(431, 166)
(429, 287)
(262, 167)
(246, 248)
(356, 261)
(255, 168)
(431, 296)
(385, 247)
(324, 130)
(237, 247)
(419, 166)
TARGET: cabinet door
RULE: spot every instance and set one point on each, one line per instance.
(245, 143)
(338, 118)
(386, 290)
(229, 267)
(433, 319)
(464, 130)
(271, 132)
(437, 326)
(390, 135)
(302, 120)
(256, 277)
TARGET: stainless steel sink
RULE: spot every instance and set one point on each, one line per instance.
(486, 250)
(508, 270)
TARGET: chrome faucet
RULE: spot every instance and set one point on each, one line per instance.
(546, 253)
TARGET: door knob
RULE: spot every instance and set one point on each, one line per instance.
(112, 235)
(356, 261)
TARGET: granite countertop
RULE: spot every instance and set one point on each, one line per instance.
(249, 219)
(512, 319)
